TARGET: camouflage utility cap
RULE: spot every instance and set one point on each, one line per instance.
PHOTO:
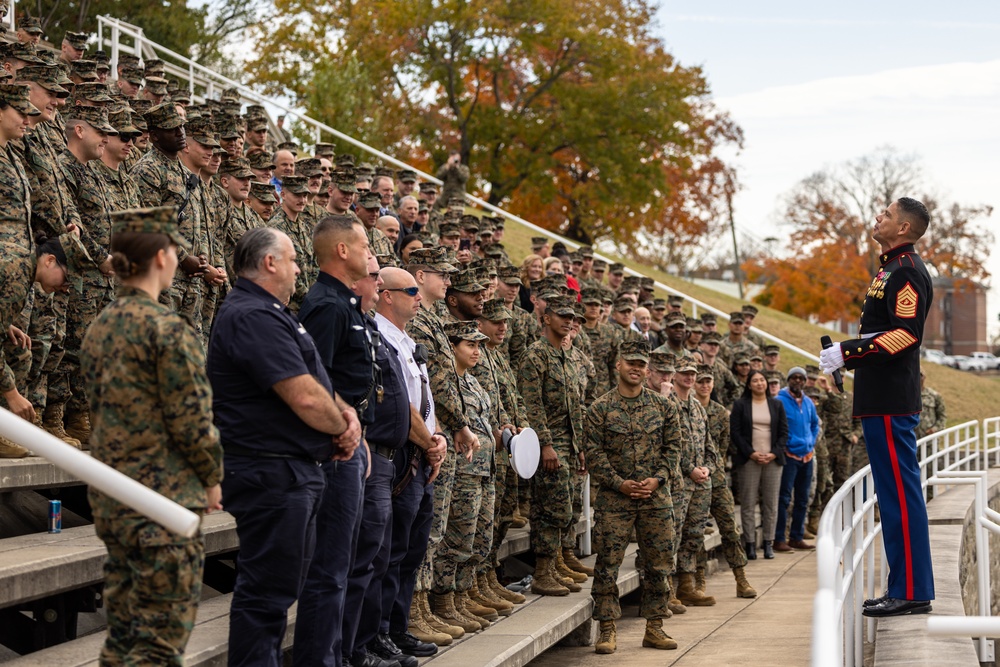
(435, 259)
(289, 146)
(29, 24)
(163, 117)
(466, 281)
(96, 117)
(623, 304)
(309, 167)
(616, 269)
(662, 362)
(237, 167)
(158, 220)
(509, 275)
(749, 309)
(674, 319)
(78, 40)
(201, 130)
(736, 317)
(295, 185)
(704, 372)
(464, 331)
(495, 310)
(634, 350)
(261, 160)
(325, 150)
(407, 176)
(93, 92)
(560, 305)
(591, 295)
(85, 69)
(120, 118)
(370, 200)
(16, 96)
(264, 192)
(46, 76)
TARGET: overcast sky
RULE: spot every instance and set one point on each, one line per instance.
(815, 84)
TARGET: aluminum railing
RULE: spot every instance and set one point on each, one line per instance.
(849, 535)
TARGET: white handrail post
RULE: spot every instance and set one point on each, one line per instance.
(114, 48)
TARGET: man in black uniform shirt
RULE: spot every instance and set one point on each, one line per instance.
(886, 361)
(278, 418)
(333, 315)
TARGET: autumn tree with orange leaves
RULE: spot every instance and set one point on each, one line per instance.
(570, 113)
(831, 256)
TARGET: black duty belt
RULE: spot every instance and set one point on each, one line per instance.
(257, 454)
(384, 451)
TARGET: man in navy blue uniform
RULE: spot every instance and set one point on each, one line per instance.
(885, 359)
(332, 313)
(279, 419)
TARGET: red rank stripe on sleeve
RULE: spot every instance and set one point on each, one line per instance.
(906, 302)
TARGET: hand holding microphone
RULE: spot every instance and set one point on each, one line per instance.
(830, 360)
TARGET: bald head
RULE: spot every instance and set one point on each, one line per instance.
(284, 164)
(394, 304)
(389, 226)
(395, 278)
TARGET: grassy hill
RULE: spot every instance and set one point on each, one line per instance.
(967, 395)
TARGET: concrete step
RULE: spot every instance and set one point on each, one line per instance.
(534, 627)
(33, 472)
(43, 564)
(207, 647)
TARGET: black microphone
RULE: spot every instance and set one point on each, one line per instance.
(838, 380)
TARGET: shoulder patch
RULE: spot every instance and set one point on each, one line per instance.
(906, 302)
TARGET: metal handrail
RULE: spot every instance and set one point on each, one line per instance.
(848, 533)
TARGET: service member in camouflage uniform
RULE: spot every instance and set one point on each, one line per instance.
(554, 404)
(15, 190)
(726, 388)
(633, 447)
(45, 266)
(842, 434)
(369, 204)
(290, 220)
(234, 180)
(693, 500)
(735, 345)
(87, 134)
(469, 536)
(163, 181)
(749, 315)
(723, 507)
(604, 341)
(432, 273)
(933, 417)
(151, 405)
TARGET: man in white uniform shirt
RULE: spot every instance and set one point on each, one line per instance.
(416, 467)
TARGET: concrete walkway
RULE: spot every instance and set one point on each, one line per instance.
(774, 628)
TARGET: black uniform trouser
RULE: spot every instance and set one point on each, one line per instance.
(274, 502)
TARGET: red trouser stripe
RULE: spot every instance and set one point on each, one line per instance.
(904, 519)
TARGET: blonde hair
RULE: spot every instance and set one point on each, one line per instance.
(528, 261)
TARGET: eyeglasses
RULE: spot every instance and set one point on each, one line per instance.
(408, 291)
(373, 276)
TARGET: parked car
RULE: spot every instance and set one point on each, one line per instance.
(964, 363)
(935, 357)
(991, 360)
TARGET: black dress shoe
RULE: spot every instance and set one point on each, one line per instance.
(768, 549)
(371, 660)
(875, 601)
(751, 550)
(897, 607)
(410, 645)
(386, 649)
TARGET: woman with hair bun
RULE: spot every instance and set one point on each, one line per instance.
(151, 418)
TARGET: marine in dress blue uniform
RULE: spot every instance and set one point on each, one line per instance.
(886, 361)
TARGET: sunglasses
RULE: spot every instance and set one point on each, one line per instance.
(408, 291)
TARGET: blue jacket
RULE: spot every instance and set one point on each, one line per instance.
(803, 423)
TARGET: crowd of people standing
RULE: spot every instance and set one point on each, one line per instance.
(185, 295)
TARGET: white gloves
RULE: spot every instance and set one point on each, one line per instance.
(831, 359)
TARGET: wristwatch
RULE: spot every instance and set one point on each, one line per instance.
(661, 481)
